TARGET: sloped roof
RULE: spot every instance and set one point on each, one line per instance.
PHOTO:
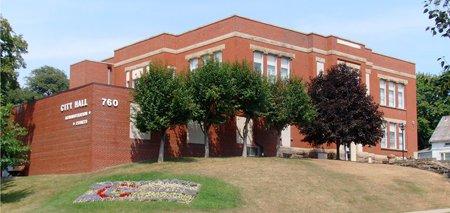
(442, 131)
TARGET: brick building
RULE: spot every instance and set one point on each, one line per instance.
(88, 126)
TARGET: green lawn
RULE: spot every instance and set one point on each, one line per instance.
(244, 185)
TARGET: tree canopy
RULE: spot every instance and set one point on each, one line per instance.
(163, 100)
(345, 113)
(12, 46)
(289, 104)
(213, 92)
(13, 151)
(433, 102)
(251, 97)
(47, 81)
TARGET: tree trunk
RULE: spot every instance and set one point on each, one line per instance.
(244, 139)
(338, 153)
(161, 147)
(206, 138)
(278, 143)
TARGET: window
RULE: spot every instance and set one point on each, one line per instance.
(258, 62)
(285, 68)
(382, 92)
(320, 67)
(127, 79)
(368, 83)
(400, 138)
(447, 144)
(401, 96)
(384, 138)
(240, 123)
(393, 136)
(195, 133)
(193, 64)
(205, 59)
(391, 94)
(218, 56)
(271, 68)
(132, 76)
(134, 131)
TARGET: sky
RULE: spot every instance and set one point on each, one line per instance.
(61, 33)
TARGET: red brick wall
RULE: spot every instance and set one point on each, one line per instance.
(86, 72)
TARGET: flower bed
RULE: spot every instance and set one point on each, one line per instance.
(174, 190)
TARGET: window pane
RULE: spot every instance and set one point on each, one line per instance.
(284, 73)
(401, 96)
(391, 94)
(193, 64)
(384, 138)
(392, 136)
(383, 92)
(218, 56)
(258, 62)
(320, 67)
(271, 68)
(285, 68)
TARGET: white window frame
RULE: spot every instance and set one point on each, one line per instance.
(272, 63)
(258, 60)
(384, 128)
(368, 83)
(391, 94)
(401, 96)
(401, 136)
(383, 92)
(320, 67)
(218, 56)
(285, 64)
(193, 64)
(393, 129)
(135, 75)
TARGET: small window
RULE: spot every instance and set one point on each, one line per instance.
(272, 68)
(258, 62)
(193, 64)
(391, 94)
(400, 138)
(285, 68)
(447, 144)
(401, 96)
(382, 92)
(218, 56)
(127, 79)
(384, 138)
(194, 133)
(240, 123)
(393, 136)
(135, 75)
(205, 59)
(320, 67)
(368, 83)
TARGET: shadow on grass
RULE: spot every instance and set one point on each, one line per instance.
(12, 196)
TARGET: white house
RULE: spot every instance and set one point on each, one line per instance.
(440, 142)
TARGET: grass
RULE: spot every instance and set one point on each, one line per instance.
(245, 185)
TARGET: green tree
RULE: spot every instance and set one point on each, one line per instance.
(251, 96)
(289, 104)
(433, 102)
(13, 151)
(439, 12)
(164, 101)
(12, 46)
(47, 81)
(345, 113)
(213, 93)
